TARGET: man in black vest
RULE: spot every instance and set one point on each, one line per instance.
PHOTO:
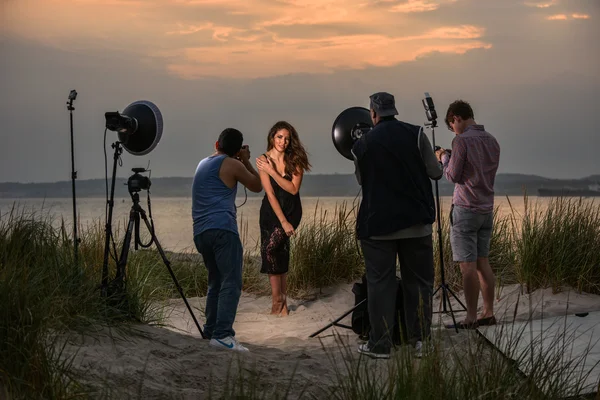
(394, 164)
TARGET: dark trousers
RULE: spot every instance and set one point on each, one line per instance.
(416, 269)
(223, 257)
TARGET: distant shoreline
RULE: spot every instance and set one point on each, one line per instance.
(335, 185)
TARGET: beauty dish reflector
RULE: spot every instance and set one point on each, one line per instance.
(139, 128)
(352, 123)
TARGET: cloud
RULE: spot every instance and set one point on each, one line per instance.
(564, 17)
(321, 55)
(247, 38)
(417, 6)
(557, 17)
(547, 4)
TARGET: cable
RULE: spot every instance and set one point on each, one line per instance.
(246, 193)
(152, 231)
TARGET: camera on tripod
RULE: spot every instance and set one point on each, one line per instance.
(137, 182)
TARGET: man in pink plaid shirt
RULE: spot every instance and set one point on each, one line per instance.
(472, 167)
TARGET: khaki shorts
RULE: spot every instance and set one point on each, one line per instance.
(470, 234)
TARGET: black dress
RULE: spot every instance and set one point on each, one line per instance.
(275, 244)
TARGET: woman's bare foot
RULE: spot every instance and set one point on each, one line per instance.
(277, 307)
(284, 309)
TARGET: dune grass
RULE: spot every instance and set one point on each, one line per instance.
(559, 246)
(553, 245)
(44, 293)
(324, 252)
(41, 291)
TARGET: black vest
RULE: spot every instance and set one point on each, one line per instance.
(397, 192)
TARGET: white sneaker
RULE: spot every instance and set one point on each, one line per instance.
(421, 348)
(364, 349)
(228, 343)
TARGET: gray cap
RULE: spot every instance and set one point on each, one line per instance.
(383, 104)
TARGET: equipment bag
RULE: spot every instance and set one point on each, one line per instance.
(360, 315)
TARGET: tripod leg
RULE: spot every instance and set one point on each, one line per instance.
(126, 245)
(115, 289)
(137, 231)
(337, 320)
(445, 294)
(168, 265)
(457, 299)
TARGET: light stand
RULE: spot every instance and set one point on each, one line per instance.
(139, 130)
(108, 226)
(73, 96)
(432, 118)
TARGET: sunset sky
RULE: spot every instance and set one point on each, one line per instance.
(531, 70)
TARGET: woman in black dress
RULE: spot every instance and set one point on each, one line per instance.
(281, 170)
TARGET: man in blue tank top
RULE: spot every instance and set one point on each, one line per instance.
(216, 233)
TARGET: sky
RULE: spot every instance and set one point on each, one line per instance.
(530, 69)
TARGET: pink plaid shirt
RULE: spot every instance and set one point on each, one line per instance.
(472, 168)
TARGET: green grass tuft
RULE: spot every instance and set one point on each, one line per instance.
(324, 252)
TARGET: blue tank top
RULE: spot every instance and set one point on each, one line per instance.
(213, 202)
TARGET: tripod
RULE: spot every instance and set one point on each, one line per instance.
(134, 222)
(135, 183)
(443, 285)
(73, 96)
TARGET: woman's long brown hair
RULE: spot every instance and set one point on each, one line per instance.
(295, 158)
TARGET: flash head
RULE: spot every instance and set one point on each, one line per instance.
(139, 128)
(120, 123)
(429, 108)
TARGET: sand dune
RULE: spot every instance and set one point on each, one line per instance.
(174, 362)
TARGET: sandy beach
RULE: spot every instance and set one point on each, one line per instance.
(172, 361)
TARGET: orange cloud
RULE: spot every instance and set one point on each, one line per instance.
(558, 17)
(564, 17)
(414, 6)
(316, 55)
(541, 5)
(246, 38)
